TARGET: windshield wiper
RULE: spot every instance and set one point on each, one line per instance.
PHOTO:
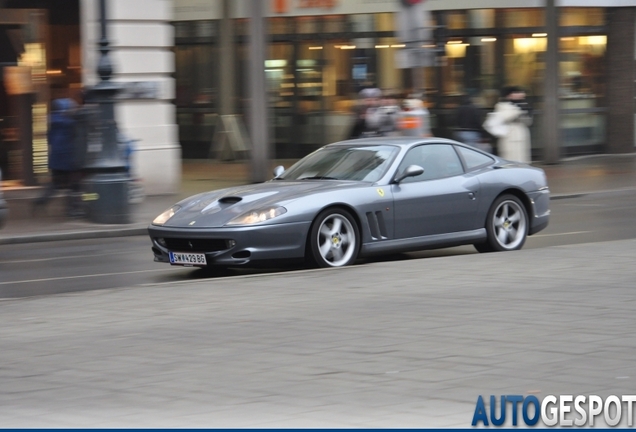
(318, 178)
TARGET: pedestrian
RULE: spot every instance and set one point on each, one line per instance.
(387, 115)
(366, 121)
(414, 119)
(63, 158)
(510, 122)
(469, 120)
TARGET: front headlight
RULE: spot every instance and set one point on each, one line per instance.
(258, 216)
(163, 217)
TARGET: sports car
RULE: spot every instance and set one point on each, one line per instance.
(358, 198)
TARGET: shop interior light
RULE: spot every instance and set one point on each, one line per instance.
(593, 40)
(347, 47)
(539, 34)
(315, 47)
(398, 46)
(270, 64)
(382, 46)
(489, 39)
(454, 42)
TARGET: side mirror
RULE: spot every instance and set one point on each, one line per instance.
(410, 171)
(279, 170)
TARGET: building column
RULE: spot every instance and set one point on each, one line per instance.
(620, 80)
(551, 119)
(226, 38)
(141, 39)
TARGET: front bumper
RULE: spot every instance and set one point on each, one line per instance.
(232, 246)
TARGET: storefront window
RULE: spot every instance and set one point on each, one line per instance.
(523, 17)
(571, 17)
(280, 25)
(361, 23)
(481, 18)
(197, 80)
(456, 20)
(334, 24)
(307, 25)
(316, 65)
(385, 22)
(524, 63)
(582, 66)
(582, 72)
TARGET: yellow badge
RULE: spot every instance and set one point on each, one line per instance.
(380, 192)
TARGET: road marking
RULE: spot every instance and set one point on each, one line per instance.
(561, 234)
(60, 258)
(85, 276)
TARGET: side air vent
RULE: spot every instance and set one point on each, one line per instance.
(230, 200)
(377, 226)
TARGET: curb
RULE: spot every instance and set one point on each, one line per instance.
(582, 194)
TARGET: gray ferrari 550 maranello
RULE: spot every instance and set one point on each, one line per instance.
(359, 198)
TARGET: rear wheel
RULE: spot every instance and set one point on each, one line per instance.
(506, 225)
(334, 239)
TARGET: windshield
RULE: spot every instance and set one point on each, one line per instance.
(362, 163)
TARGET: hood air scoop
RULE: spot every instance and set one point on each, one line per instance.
(230, 200)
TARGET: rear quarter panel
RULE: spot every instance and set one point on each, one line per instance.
(496, 180)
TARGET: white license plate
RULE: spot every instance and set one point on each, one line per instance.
(187, 259)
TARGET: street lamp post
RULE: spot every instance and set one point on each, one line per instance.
(107, 183)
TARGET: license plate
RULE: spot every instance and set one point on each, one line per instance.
(187, 259)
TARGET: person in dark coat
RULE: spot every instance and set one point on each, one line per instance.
(469, 120)
(64, 161)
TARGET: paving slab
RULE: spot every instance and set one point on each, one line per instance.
(391, 344)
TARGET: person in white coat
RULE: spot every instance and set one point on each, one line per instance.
(514, 114)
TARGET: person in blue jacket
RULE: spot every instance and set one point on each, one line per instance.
(64, 161)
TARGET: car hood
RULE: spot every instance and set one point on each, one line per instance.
(217, 208)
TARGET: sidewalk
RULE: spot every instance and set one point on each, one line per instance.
(572, 177)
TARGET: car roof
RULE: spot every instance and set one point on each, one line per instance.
(397, 141)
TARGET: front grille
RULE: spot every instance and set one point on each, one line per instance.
(196, 245)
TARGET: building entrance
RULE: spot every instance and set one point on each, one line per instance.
(39, 61)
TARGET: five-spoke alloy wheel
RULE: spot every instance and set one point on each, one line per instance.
(506, 225)
(334, 239)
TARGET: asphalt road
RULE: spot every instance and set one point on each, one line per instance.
(55, 267)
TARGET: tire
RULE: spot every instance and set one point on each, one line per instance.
(506, 225)
(334, 239)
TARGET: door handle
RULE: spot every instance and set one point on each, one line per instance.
(471, 195)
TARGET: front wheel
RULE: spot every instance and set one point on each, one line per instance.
(506, 225)
(334, 239)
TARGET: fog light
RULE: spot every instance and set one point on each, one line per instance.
(231, 244)
(161, 242)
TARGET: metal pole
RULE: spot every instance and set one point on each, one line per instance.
(107, 184)
(551, 120)
(258, 101)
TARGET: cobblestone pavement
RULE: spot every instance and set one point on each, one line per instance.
(393, 344)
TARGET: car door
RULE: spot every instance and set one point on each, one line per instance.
(441, 200)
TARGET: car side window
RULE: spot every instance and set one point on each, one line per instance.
(474, 159)
(438, 161)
